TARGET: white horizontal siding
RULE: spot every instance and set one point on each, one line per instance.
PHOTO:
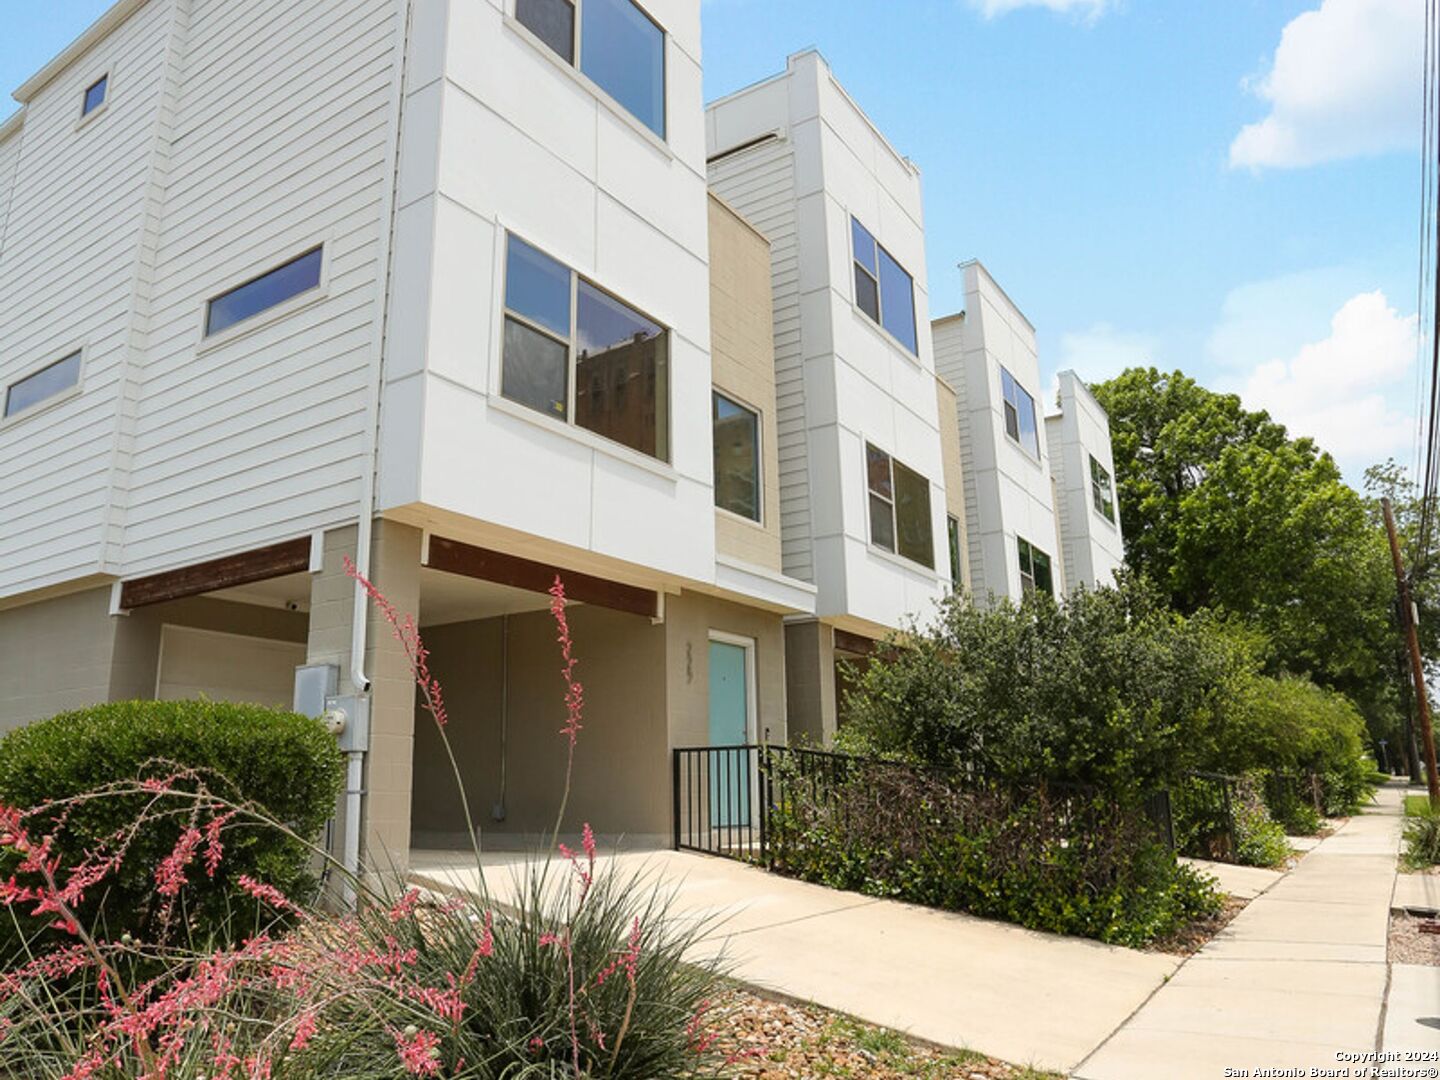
(760, 184)
(276, 148)
(73, 219)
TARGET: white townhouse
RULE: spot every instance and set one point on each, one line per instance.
(866, 430)
(435, 285)
(1086, 502)
(1039, 496)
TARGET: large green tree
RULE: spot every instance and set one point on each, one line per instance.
(1223, 510)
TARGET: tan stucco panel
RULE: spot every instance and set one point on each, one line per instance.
(743, 367)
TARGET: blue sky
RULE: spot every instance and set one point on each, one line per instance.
(1230, 189)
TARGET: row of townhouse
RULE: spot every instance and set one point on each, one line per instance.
(476, 293)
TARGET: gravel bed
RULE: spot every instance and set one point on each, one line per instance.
(1408, 945)
(778, 1040)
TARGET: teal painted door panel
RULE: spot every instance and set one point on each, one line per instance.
(729, 726)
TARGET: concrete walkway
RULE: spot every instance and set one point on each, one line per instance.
(1024, 997)
(1300, 976)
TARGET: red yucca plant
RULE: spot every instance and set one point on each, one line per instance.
(579, 974)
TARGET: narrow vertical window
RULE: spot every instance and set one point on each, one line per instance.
(44, 384)
(882, 498)
(535, 369)
(95, 95)
(1019, 414)
(952, 533)
(1101, 491)
(737, 457)
(867, 271)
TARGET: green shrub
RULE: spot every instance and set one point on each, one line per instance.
(65, 771)
(1259, 839)
(1066, 861)
(1422, 839)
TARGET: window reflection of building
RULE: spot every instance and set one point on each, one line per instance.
(621, 393)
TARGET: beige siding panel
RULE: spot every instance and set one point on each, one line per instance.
(227, 667)
(760, 184)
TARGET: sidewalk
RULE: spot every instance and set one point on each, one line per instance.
(1024, 997)
(1300, 976)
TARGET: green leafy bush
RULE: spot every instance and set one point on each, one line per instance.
(1064, 860)
(80, 777)
(1259, 839)
(1111, 689)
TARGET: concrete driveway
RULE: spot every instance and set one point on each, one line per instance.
(1024, 997)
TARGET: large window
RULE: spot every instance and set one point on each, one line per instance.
(557, 322)
(621, 49)
(1035, 569)
(46, 383)
(883, 290)
(899, 508)
(1019, 414)
(1101, 490)
(737, 457)
(299, 275)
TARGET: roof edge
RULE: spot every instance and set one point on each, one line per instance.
(11, 124)
(100, 29)
(982, 268)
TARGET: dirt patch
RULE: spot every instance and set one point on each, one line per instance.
(778, 1040)
(1193, 938)
(1408, 945)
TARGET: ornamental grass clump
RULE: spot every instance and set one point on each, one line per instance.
(580, 973)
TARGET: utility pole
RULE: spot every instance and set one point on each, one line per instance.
(1417, 668)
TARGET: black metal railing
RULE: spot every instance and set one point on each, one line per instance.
(721, 801)
(1203, 816)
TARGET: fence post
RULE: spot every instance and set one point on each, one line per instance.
(675, 792)
(1226, 785)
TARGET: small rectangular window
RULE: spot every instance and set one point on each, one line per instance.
(1034, 569)
(42, 385)
(1101, 490)
(737, 457)
(562, 330)
(952, 532)
(269, 290)
(883, 288)
(899, 508)
(95, 95)
(1019, 414)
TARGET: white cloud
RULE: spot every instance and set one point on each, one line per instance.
(1099, 353)
(1349, 391)
(1345, 82)
(1089, 9)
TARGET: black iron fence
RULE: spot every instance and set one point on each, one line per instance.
(1203, 816)
(729, 800)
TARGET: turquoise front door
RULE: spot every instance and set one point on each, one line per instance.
(729, 727)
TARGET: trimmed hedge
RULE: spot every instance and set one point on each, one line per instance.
(286, 766)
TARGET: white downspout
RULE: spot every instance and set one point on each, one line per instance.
(355, 765)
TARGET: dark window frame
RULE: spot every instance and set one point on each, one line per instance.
(211, 331)
(571, 345)
(952, 537)
(874, 274)
(1102, 490)
(891, 500)
(716, 396)
(576, 58)
(8, 410)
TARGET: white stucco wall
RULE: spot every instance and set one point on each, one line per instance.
(1094, 545)
(1008, 490)
(841, 380)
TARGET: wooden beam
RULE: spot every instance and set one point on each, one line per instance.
(262, 564)
(483, 564)
(845, 641)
